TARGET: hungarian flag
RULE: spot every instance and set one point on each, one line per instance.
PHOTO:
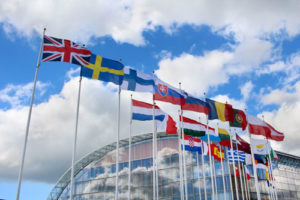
(221, 111)
(224, 136)
(192, 127)
(259, 127)
(239, 119)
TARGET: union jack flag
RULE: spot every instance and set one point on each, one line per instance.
(55, 49)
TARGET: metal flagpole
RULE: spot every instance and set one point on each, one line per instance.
(210, 162)
(228, 166)
(153, 150)
(184, 161)
(29, 118)
(215, 179)
(254, 169)
(129, 151)
(198, 169)
(180, 165)
(203, 169)
(234, 171)
(117, 148)
(156, 165)
(244, 181)
(75, 141)
(248, 186)
(241, 182)
(272, 177)
(223, 178)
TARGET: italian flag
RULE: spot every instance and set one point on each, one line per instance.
(192, 127)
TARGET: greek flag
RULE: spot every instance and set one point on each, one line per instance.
(239, 156)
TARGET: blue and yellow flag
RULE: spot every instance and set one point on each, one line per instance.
(103, 69)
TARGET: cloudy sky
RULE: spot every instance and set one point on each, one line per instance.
(244, 52)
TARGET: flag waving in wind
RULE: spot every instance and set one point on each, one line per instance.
(55, 49)
(221, 111)
(142, 111)
(192, 127)
(137, 81)
(167, 93)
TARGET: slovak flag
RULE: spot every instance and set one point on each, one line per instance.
(142, 111)
(167, 93)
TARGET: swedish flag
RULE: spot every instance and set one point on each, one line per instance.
(103, 69)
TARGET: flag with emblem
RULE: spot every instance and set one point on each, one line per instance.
(239, 119)
(191, 143)
(137, 81)
(260, 146)
(104, 69)
(167, 93)
(62, 50)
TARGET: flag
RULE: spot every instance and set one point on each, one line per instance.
(221, 111)
(248, 159)
(167, 93)
(142, 111)
(259, 127)
(55, 49)
(242, 144)
(194, 104)
(192, 127)
(224, 136)
(238, 156)
(247, 174)
(137, 81)
(236, 171)
(239, 119)
(104, 69)
(191, 144)
(213, 136)
(215, 152)
(273, 154)
(260, 147)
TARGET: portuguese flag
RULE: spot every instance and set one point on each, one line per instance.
(225, 137)
(192, 127)
(239, 119)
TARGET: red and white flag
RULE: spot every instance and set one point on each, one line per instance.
(259, 127)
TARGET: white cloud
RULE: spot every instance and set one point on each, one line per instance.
(246, 89)
(17, 95)
(52, 129)
(126, 20)
(285, 118)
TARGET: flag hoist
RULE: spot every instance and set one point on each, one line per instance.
(29, 118)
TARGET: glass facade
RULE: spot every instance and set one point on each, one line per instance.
(95, 178)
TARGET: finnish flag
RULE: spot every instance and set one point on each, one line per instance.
(137, 81)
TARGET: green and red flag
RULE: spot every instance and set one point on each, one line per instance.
(239, 119)
(192, 127)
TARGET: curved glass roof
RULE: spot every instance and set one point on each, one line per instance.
(64, 180)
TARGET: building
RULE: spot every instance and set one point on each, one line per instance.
(95, 174)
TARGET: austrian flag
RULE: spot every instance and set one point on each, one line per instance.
(55, 49)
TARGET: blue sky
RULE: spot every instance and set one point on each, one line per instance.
(247, 54)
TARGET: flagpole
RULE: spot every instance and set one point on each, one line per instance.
(156, 165)
(180, 164)
(184, 161)
(198, 169)
(75, 139)
(29, 118)
(210, 162)
(241, 182)
(244, 181)
(203, 169)
(254, 168)
(228, 166)
(223, 178)
(233, 164)
(215, 179)
(153, 149)
(117, 147)
(129, 151)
